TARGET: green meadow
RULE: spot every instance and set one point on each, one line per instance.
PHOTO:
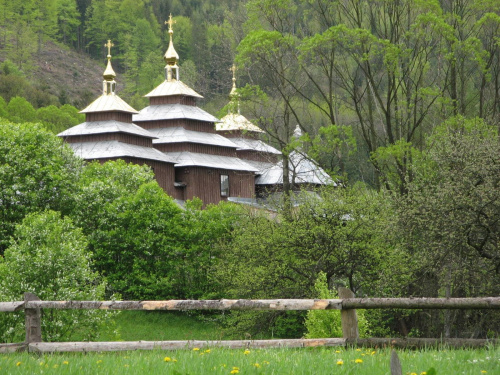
(138, 325)
(207, 360)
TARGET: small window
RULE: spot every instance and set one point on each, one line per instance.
(224, 185)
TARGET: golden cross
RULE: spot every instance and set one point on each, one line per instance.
(170, 22)
(109, 45)
(233, 69)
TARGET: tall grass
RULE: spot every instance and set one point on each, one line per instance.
(265, 361)
(161, 325)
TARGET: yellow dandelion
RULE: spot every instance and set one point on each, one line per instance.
(18, 363)
(196, 349)
(340, 362)
(202, 354)
(413, 373)
(99, 361)
(167, 359)
(236, 368)
(55, 366)
(256, 365)
(207, 351)
(358, 350)
(235, 372)
(246, 352)
(373, 353)
(174, 360)
(337, 351)
(363, 354)
(265, 362)
(423, 373)
(357, 360)
(65, 362)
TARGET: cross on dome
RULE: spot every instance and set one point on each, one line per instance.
(170, 22)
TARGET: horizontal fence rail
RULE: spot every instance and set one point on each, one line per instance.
(273, 304)
(32, 306)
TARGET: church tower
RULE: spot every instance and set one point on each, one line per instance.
(207, 164)
(109, 134)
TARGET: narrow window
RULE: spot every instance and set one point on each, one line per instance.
(224, 185)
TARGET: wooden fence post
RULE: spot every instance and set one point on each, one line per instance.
(32, 321)
(348, 317)
(395, 364)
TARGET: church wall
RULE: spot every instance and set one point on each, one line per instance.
(204, 183)
(200, 126)
(195, 147)
(164, 172)
(125, 138)
(175, 99)
(106, 116)
(257, 156)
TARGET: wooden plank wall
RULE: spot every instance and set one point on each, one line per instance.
(204, 183)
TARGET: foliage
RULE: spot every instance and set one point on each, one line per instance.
(341, 232)
(450, 219)
(145, 245)
(47, 256)
(327, 323)
(37, 172)
(20, 110)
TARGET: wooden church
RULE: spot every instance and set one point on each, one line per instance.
(192, 153)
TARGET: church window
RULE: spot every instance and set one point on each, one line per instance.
(224, 185)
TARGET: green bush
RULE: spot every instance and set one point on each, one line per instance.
(327, 323)
(48, 257)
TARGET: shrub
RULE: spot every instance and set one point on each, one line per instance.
(327, 323)
(47, 256)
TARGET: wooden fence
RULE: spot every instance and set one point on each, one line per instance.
(32, 306)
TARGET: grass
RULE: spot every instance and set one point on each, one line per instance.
(140, 325)
(161, 325)
(265, 361)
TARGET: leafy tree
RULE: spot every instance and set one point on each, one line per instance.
(54, 119)
(343, 234)
(68, 20)
(47, 256)
(20, 110)
(450, 219)
(37, 172)
(3, 108)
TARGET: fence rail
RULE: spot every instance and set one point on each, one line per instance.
(346, 303)
(274, 304)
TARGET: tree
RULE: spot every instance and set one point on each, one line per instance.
(55, 119)
(68, 21)
(37, 172)
(450, 219)
(342, 233)
(47, 256)
(20, 110)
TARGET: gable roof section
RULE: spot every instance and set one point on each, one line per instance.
(179, 135)
(108, 126)
(193, 159)
(172, 112)
(306, 172)
(235, 121)
(109, 103)
(171, 88)
(255, 145)
(116, 149)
